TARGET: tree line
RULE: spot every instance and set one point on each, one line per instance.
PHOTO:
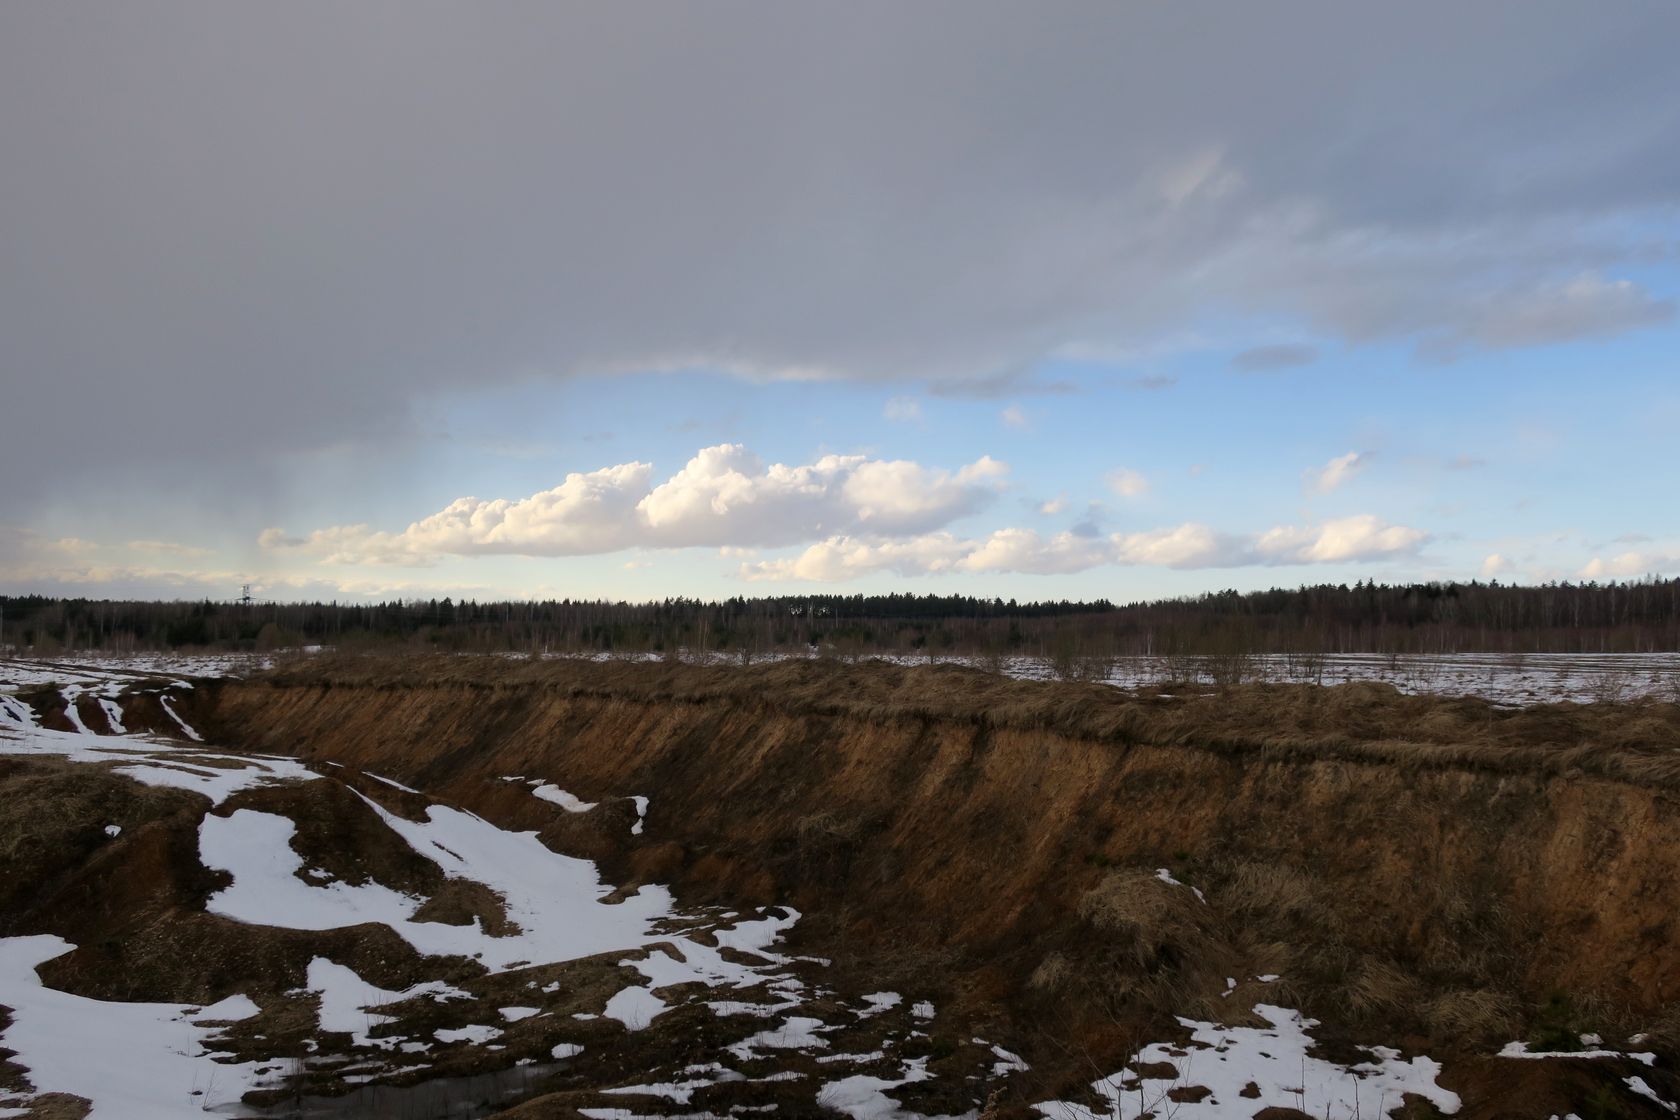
(1366, 617)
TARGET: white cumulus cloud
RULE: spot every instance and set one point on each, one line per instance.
(722, 497)
(1347, 538)
(1631, 565)
(1495, 565)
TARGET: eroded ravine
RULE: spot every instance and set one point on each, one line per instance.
(1094, 899)
(405, 942)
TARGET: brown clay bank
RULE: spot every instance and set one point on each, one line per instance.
(1445, 874)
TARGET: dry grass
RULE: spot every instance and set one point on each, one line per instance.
(1381, 989)
(1366, 722)
(1275, 890)
(1474, 1017)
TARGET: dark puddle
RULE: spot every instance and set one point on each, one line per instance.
(443, 1098)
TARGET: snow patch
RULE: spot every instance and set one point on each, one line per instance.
(153, 1062)
(1638, 1085)
(477, 1035)
(1166, 876)
(635, 1007)
(1225, 1060)
(567, 801)
(345, 1002)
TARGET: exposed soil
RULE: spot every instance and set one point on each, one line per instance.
(1063, 869)
(1438, 874)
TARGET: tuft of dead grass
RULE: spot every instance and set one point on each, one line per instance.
(1381, 988)
(1054, 973)
(1273, 890)
(1152, 919)
(1473, 1017)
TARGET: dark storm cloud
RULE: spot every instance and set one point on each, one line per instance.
(231, 230)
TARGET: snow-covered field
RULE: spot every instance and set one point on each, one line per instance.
(1513, 679)
(115, 670)
(1534, 678)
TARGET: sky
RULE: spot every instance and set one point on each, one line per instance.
(1065, 300)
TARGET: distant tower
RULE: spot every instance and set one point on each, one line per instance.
(244, 594)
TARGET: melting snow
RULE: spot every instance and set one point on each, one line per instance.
(1638, 1085)
(113, 716)
(345, 999)
(176, 716)
(153, 1062)
(230, 1010)
(1007, 1062)
(679, 1091)
(554, 899)
(863, 1097)
(391, 783)
(216, 775)
(1166, 876)
(1521, 1050)
(797, 1032)
(634, 1007)
(75, 717)
(879, 1002)
(477, 1035)
(1276, 1061)
(557, 796)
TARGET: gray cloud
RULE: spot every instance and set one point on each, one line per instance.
(234, 231)
(1584, 307)
(1280, 356)
(1005, 383)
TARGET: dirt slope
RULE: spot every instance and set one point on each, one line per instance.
(1437, 873)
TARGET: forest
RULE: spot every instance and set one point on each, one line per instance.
(1366, 617)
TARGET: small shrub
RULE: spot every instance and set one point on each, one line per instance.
(1230, 668)
(1603, 1104)
(1053, 973)
(1556, 1026)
